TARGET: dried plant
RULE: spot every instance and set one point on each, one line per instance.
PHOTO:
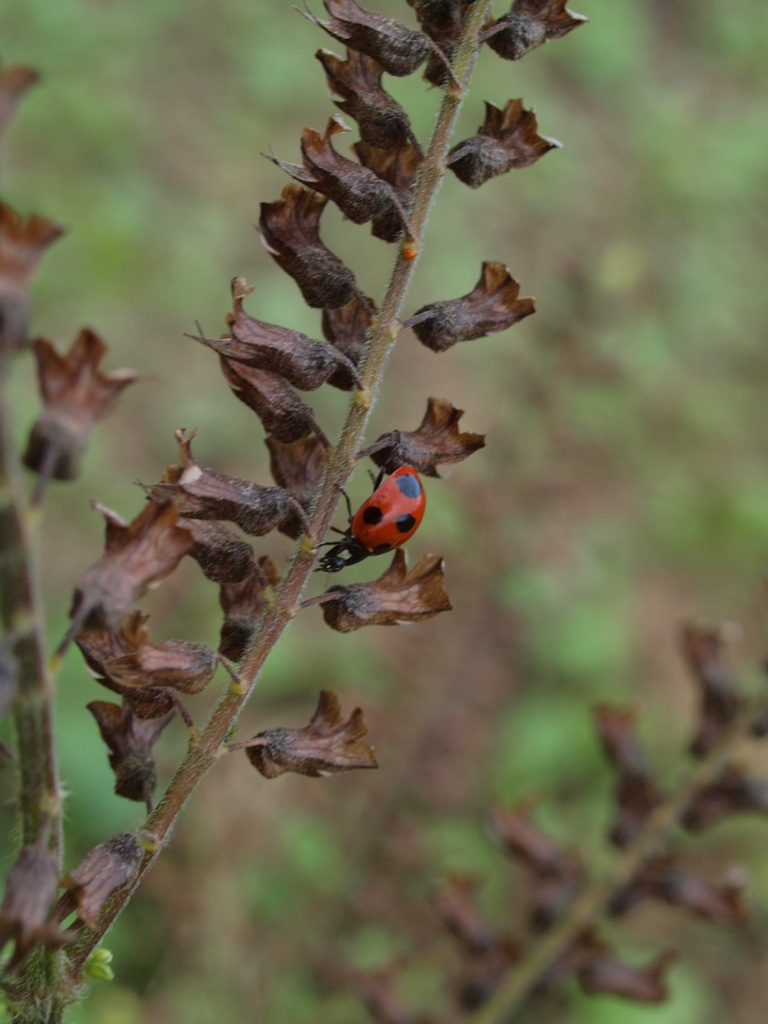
(213, 518)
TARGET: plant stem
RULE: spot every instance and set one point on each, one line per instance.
(21, 609)
(381, 338)
(518, 984)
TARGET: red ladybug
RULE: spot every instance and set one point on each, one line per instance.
(385, 521)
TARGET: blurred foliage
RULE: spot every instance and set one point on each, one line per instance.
(623, 488)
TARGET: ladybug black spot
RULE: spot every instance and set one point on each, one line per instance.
(405, 523)
(372, 515)
(408, 485)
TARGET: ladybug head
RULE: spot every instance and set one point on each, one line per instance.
(346, 552)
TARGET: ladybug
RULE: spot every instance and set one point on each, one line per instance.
(385, 521)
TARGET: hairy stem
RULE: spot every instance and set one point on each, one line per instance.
(383, 333)
(21, 608)
(518, 984)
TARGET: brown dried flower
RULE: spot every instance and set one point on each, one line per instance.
(436, 441)
(130, 740)
(104, 869)
(14, 82)
(529, 24)
(22, 244)
(76, 395)
(329, 744)
(398, 596)
(493, 305)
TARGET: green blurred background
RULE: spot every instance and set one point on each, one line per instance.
(623, 490)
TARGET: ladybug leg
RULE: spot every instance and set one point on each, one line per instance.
(376, 480)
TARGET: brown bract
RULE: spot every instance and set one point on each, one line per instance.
(14, 82)
(443, 21)
(76, 395)
(359, 193)
(732, 792)
(129, 740)
(329, 744)
(30, 890)
(436, 441)
(399, 50)
(243, 605)
(598, 969)
(282, 412)
(493, 305)
(201, 493)
(138, 556)
(23, 240)
(104, 869)
(398, 166)
(507, 139)
(357, 81)
(290, 230)
(638, 791)
(529, 24)
(223, 556)
(454, 902)
(398, 596)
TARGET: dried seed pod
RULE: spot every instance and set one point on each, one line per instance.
(138, 556)
(493, 305)
(282, 413)
(14, 82)
(76, 395)
(399, 50)
(529, 24)
(359, 193)
(347, 328)
(329, 744)
(398, 166)
(455, 905)
(704, 650)
(398, 596)
(201, 493)
(507, 139)
(129, 740)
(357, 80)
(30, 889)
(243, 605)
(436, 441)
(298, 467)
(223, 556)
(638, 791)
(290, 230)
(104, 869)
(22, 244)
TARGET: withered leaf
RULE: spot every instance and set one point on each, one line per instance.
(436, 441)
(359, 193)
(23, 240)
(397, 596)
(201, 493)
(357, 81)
(398, 166)
(14, 82)
(281, 411)
(399, 50)
(129, 740)
(704, 650)
(638, 791)
(493, 305)
(529, 24)
(30, 890)
(103, 870)
(347, 327)
(138, 556)
(290, 231)
(507, 139)
(298, 467)
(243, 605)
(329, 744)
(76, 395)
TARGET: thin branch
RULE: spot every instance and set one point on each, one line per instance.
(518, 984)
(382, 335)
